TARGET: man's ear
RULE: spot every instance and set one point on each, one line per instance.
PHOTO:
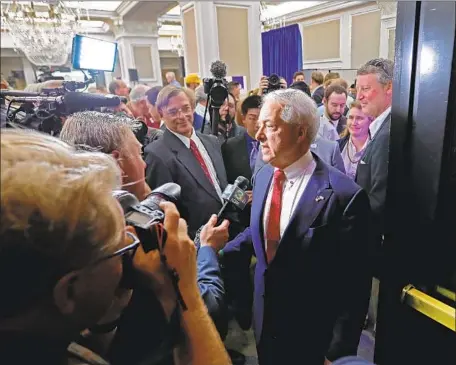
(65, 293)
(389, 88)
(116, 155)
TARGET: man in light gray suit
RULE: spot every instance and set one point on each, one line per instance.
(327, 150)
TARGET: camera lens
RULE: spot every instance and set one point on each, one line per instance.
(274, 80)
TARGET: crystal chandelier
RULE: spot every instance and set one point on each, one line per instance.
(177, 45)
(43, 31)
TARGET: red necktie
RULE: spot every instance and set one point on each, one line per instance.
(200, 159)
(273, 222)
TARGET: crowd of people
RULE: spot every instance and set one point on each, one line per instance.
(316, 156)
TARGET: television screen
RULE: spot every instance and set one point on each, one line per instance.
(93, 54)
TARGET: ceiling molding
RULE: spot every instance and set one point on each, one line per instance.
(125, 7)
(320, 9)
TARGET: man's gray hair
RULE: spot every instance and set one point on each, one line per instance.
(200, 94)
(138, 93)
(97, 131)
(171, 91)
(298, 108)
(381, 67)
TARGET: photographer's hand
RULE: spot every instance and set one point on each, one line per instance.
(223, 111)
(263, 85)
(215, 237)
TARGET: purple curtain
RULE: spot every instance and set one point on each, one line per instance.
(282, 52)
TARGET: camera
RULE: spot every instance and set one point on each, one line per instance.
(217, 90)
(273, 83)
(146, 214)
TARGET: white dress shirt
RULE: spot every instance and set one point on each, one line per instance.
(352, 158)
(328, 128)
(210, 166)
(377, 123)
(297, 176)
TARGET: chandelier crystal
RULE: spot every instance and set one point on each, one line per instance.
(43, 31)
(177, 45)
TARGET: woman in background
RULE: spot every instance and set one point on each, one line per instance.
(355, 138)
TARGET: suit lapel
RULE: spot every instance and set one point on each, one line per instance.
(367, 152)
(260, 193)
(188, 160)
(217, 160)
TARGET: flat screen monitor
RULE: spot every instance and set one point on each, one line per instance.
(93, 54)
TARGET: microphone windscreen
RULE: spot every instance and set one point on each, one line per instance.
(218, 69)
(77, 101)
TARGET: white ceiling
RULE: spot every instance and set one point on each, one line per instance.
(94, 5)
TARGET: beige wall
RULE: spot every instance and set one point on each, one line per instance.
(321, 41)
(143, 61)
(233, 37)
(9, 64)
(365, 40)
(189, 28)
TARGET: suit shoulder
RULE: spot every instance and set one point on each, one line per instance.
(342, 185)
(207, 137)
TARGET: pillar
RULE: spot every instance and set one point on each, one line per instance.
(138, 49)
(230, 32)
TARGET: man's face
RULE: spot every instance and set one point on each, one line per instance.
(95, 288)
(153, 111)
(169, 77)
(299, 78)
(236, 91)
(192, 86)
(250, 121)
(129, 158)
(374, 97)
(335, 105)
(278, 139)
(358, 123)
(178, 115)
(122, 89)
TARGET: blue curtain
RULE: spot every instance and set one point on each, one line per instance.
(282, 51)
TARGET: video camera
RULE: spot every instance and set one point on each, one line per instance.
(273, 84)
(217, 91)
(43, 111)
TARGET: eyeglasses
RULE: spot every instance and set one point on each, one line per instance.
(131, 248)
(185, 110)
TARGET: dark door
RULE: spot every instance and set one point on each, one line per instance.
(416, 319)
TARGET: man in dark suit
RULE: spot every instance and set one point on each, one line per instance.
(316, 87)
(188, 158)
(240, 155)
(374, 85)
(309, 229)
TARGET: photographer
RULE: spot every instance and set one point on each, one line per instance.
(113, 135)
(65, 244)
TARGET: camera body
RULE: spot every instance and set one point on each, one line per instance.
(273, 83)
(147, 213)
(216, 89)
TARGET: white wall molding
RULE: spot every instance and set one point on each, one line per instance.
(387, 23)
(184, 9)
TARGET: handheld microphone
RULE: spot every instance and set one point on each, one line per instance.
(235, 194)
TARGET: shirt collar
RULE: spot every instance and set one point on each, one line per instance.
(298, 167)
(249, 139)
(377, 123)
(335, 123)
(185, 140)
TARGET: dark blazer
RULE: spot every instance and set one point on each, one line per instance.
(372, 176)
(343, 142)
(236, 158)
(314, 295)
(318, 95)
(169, 160)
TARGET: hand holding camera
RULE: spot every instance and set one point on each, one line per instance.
(271, 83)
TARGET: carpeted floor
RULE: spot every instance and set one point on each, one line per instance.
(244, 342)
